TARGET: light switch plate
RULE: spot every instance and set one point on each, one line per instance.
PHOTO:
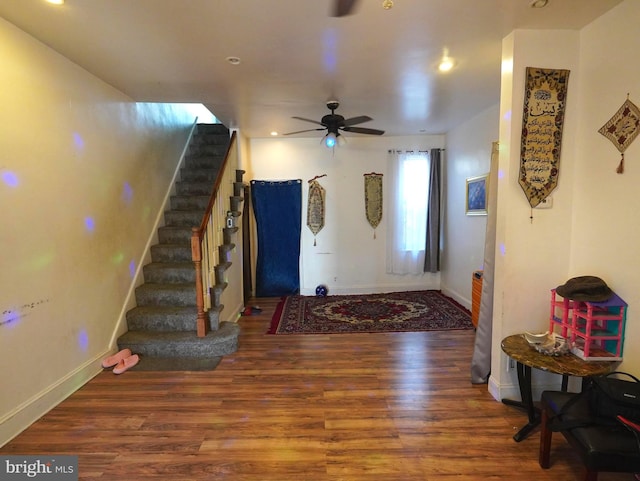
(547, 203)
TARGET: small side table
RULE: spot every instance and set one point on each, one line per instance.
(526, 357)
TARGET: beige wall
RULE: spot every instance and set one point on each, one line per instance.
(81, 164)
(605, 230)
(532, 256)
(84, 172)
(591, 228)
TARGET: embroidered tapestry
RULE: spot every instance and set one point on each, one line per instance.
(315, 208)
(543, 118)
(622, 129)
(373, 199)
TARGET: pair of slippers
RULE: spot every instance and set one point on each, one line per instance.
(251, 311)
(122, 361)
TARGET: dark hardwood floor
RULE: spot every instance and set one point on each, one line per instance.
(348, 407)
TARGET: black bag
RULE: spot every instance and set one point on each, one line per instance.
(610, 397)
(607, 398)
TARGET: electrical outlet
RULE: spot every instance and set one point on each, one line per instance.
(511, 365)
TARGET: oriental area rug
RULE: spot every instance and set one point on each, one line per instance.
(390, 312)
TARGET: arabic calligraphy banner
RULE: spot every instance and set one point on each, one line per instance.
(373, 199)
(543, 118)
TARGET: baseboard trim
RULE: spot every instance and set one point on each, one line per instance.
(378, 289)
(24, 415)
(463, 301)
(512, 391)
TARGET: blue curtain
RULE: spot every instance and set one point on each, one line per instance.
(278, 210)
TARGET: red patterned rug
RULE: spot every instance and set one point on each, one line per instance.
(390, 312)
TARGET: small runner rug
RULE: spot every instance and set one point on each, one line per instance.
(390, 312)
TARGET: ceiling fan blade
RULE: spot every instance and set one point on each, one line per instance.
(308, 120)
(301, 131)
(362, 130)
(343, 7)
(356, 120)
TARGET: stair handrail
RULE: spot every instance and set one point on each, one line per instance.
(210, 228)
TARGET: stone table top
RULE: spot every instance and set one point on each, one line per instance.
(518, 349)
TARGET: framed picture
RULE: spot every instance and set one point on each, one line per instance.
(476, 201)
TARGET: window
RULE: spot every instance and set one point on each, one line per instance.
(407, 208)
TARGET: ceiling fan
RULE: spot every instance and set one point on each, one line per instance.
(342, 8)
(334, 124)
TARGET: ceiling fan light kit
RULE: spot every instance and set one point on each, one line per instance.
(330, 140)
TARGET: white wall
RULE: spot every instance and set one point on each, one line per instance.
(591, 229)
(346, 258)
(468, 155)
(84, 172)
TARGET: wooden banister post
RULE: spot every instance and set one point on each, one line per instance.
(196, 256)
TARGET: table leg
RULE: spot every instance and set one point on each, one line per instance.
(524, 383)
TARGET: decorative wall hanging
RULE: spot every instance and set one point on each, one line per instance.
(622, 129)
(373, 199)
(543, 117)
(315, 207)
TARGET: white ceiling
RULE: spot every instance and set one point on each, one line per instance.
(295, 56)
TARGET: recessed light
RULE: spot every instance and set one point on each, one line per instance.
(446, 64)
(274, 133)
(233, 60)
(55, 2)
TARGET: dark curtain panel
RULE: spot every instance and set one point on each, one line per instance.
(278, 210)
(432, 247)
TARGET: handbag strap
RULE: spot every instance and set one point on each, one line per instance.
(622, 373)
(631, 426)
(557, 424)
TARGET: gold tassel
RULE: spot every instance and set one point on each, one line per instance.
(620, 169)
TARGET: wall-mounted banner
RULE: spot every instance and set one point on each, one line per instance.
(373, 199)
(543, 117)
(315, 207)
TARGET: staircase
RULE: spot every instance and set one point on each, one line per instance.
(162, 328)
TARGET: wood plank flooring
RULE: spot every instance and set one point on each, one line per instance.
(345, 407)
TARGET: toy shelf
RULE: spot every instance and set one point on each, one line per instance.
(595, 330)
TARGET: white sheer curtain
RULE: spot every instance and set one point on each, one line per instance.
(407, 203)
